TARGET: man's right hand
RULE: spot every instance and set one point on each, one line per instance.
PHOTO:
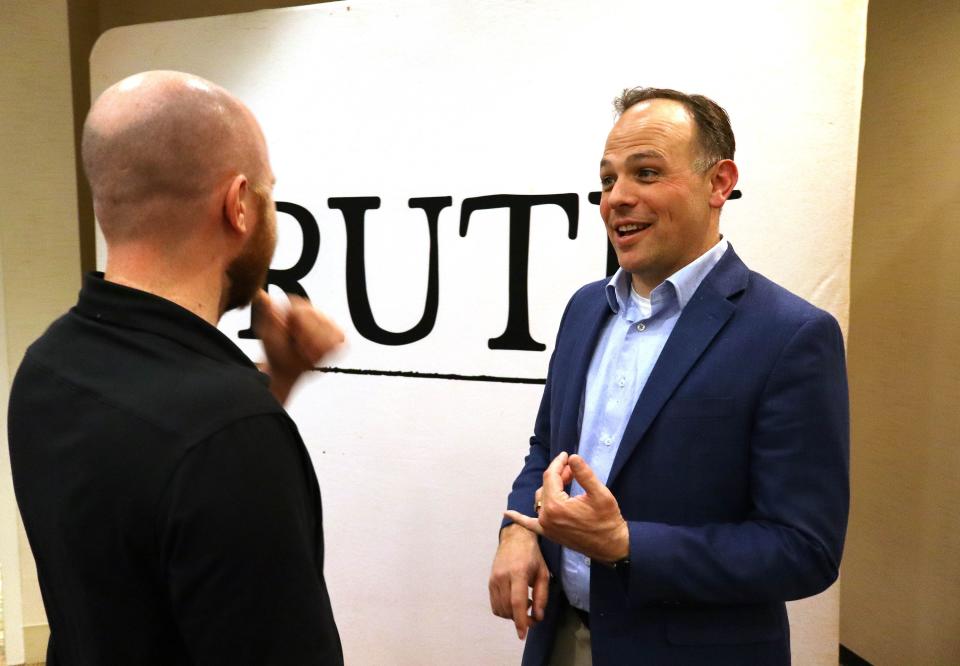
(517, 567)
(294, 339)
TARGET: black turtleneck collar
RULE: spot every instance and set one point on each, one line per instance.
(127, 307)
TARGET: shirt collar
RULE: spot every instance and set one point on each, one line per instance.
(130, 308)
(685, 281)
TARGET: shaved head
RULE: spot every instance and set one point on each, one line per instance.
(182, 189)
(159, 146)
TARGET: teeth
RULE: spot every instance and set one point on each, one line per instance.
(627, 228)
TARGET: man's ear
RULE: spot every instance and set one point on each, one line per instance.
(234, 208)
(722, 182)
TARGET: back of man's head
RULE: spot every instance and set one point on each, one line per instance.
(157, 149)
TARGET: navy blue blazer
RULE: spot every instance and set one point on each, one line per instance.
(732, 475)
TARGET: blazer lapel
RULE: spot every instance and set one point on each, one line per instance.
(588, 327)
(699, 323)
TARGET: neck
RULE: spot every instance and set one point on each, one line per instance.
(645, 283)
(198, 287)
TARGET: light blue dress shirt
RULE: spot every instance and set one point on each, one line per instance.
(626, 352)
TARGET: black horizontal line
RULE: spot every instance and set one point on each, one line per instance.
(435, 375)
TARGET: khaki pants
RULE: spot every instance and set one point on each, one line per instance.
(571, 646)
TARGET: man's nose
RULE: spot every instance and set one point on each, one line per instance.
(622, 194)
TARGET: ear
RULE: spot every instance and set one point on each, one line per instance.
(722, 182)
(234, 208)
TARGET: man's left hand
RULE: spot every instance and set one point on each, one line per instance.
(590, 523)
(294, 340)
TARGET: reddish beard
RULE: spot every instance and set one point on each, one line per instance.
(247, 273)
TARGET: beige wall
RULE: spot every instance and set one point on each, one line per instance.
(900, 600)
(39, 262)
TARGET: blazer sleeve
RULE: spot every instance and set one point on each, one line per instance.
(790, 544)
(521, 497)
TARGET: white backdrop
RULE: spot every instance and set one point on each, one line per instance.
(466, 99)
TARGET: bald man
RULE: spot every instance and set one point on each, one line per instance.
(170, 503)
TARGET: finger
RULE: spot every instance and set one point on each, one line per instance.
(305, 319)
(500, 588)
(297, 299)
(260, 300)
(538, 498)
(585, 476)
(499, 596)
(268, 322)
(541, 588)
(566, 474)
(531, 524)
(303, 309)
(261, 308)
(492, 592)
(314, 333)
(552, 482)
(519, 603)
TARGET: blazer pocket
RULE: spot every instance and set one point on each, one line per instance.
(698, 408)
(725, 625)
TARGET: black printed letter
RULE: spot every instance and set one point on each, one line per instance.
(612, 263)
(354, 211)
(517, 333)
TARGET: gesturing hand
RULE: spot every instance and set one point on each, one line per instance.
(518, 566)
(590, 523)
(294, 340)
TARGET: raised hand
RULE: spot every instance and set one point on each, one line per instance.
(294, 340)
(590, 523)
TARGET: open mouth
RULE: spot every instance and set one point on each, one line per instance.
(626, 230)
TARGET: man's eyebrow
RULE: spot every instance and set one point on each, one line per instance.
(644, 155)
(636, 157)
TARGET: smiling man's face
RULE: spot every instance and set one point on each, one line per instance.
(654, 202)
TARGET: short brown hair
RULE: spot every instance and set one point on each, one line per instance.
(714, 133)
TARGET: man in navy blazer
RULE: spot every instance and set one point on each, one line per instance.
(688, 471)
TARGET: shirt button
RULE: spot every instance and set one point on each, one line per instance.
(586, 561)
(641, 327)
(622, 382)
